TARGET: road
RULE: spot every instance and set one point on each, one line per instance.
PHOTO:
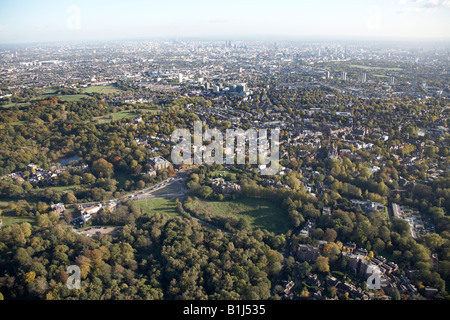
(173, 187)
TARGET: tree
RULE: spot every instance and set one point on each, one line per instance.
(43, 220)
(103, 168)
(396, 295)
(304, 269)
(140, 185)
(30, 276)
(318, 234)
(330, 235)
(88, 178)
(69, 197)
(205, 192)
(321, 265)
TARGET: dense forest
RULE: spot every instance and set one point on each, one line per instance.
(153, 257)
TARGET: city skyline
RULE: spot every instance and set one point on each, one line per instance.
(50, 21)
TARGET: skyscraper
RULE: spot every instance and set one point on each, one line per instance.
(391, 80)
(343, 76)
(363, 77)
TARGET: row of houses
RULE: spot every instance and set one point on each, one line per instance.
(313, 281)
(37, 174)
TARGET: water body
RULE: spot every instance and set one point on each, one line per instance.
(66, 161)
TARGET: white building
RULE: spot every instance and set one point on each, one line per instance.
(86, 214)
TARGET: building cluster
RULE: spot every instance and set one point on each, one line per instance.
(368, 206)
(34, 174)
(225, 187)
(360, 265)
(417, 225)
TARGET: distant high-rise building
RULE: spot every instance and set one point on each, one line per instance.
(180, 78)
(328, 75)
(424, 85)
(391, 80)
(363, 77)
(343, 76)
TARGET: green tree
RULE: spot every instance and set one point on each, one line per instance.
(321, 265)
(103, 168)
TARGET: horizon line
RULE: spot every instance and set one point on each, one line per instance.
(248, 37)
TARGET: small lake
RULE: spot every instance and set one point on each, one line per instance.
(66, 161)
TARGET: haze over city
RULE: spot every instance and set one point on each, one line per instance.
(47, 21)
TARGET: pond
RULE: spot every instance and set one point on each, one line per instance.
(66, 161)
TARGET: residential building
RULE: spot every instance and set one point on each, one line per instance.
(307, 252)
(159, 163)
(58, 208)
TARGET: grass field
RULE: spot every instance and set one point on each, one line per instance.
(18, 123)
(100, 89)
(65, 97)
(9, 220)
(12, 104)
(161, 205)
(3, 203)
(117, 116)
(73, 97)
(121, 177)
(65, 188)
(259, 213)
(374, 68)
(70, 97)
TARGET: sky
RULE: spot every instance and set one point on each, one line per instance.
(23, 21)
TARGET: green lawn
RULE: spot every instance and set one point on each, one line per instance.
(65, 97)
(100, 89)
(374, 68)
(73, 97)
(260, 213)
(161, 205)
(117, 116)
(12, 104)
(65, 188)
(9, 220)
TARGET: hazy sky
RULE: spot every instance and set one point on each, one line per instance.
(57, 20)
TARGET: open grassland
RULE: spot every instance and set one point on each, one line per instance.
(162, 205)
(259, 213)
